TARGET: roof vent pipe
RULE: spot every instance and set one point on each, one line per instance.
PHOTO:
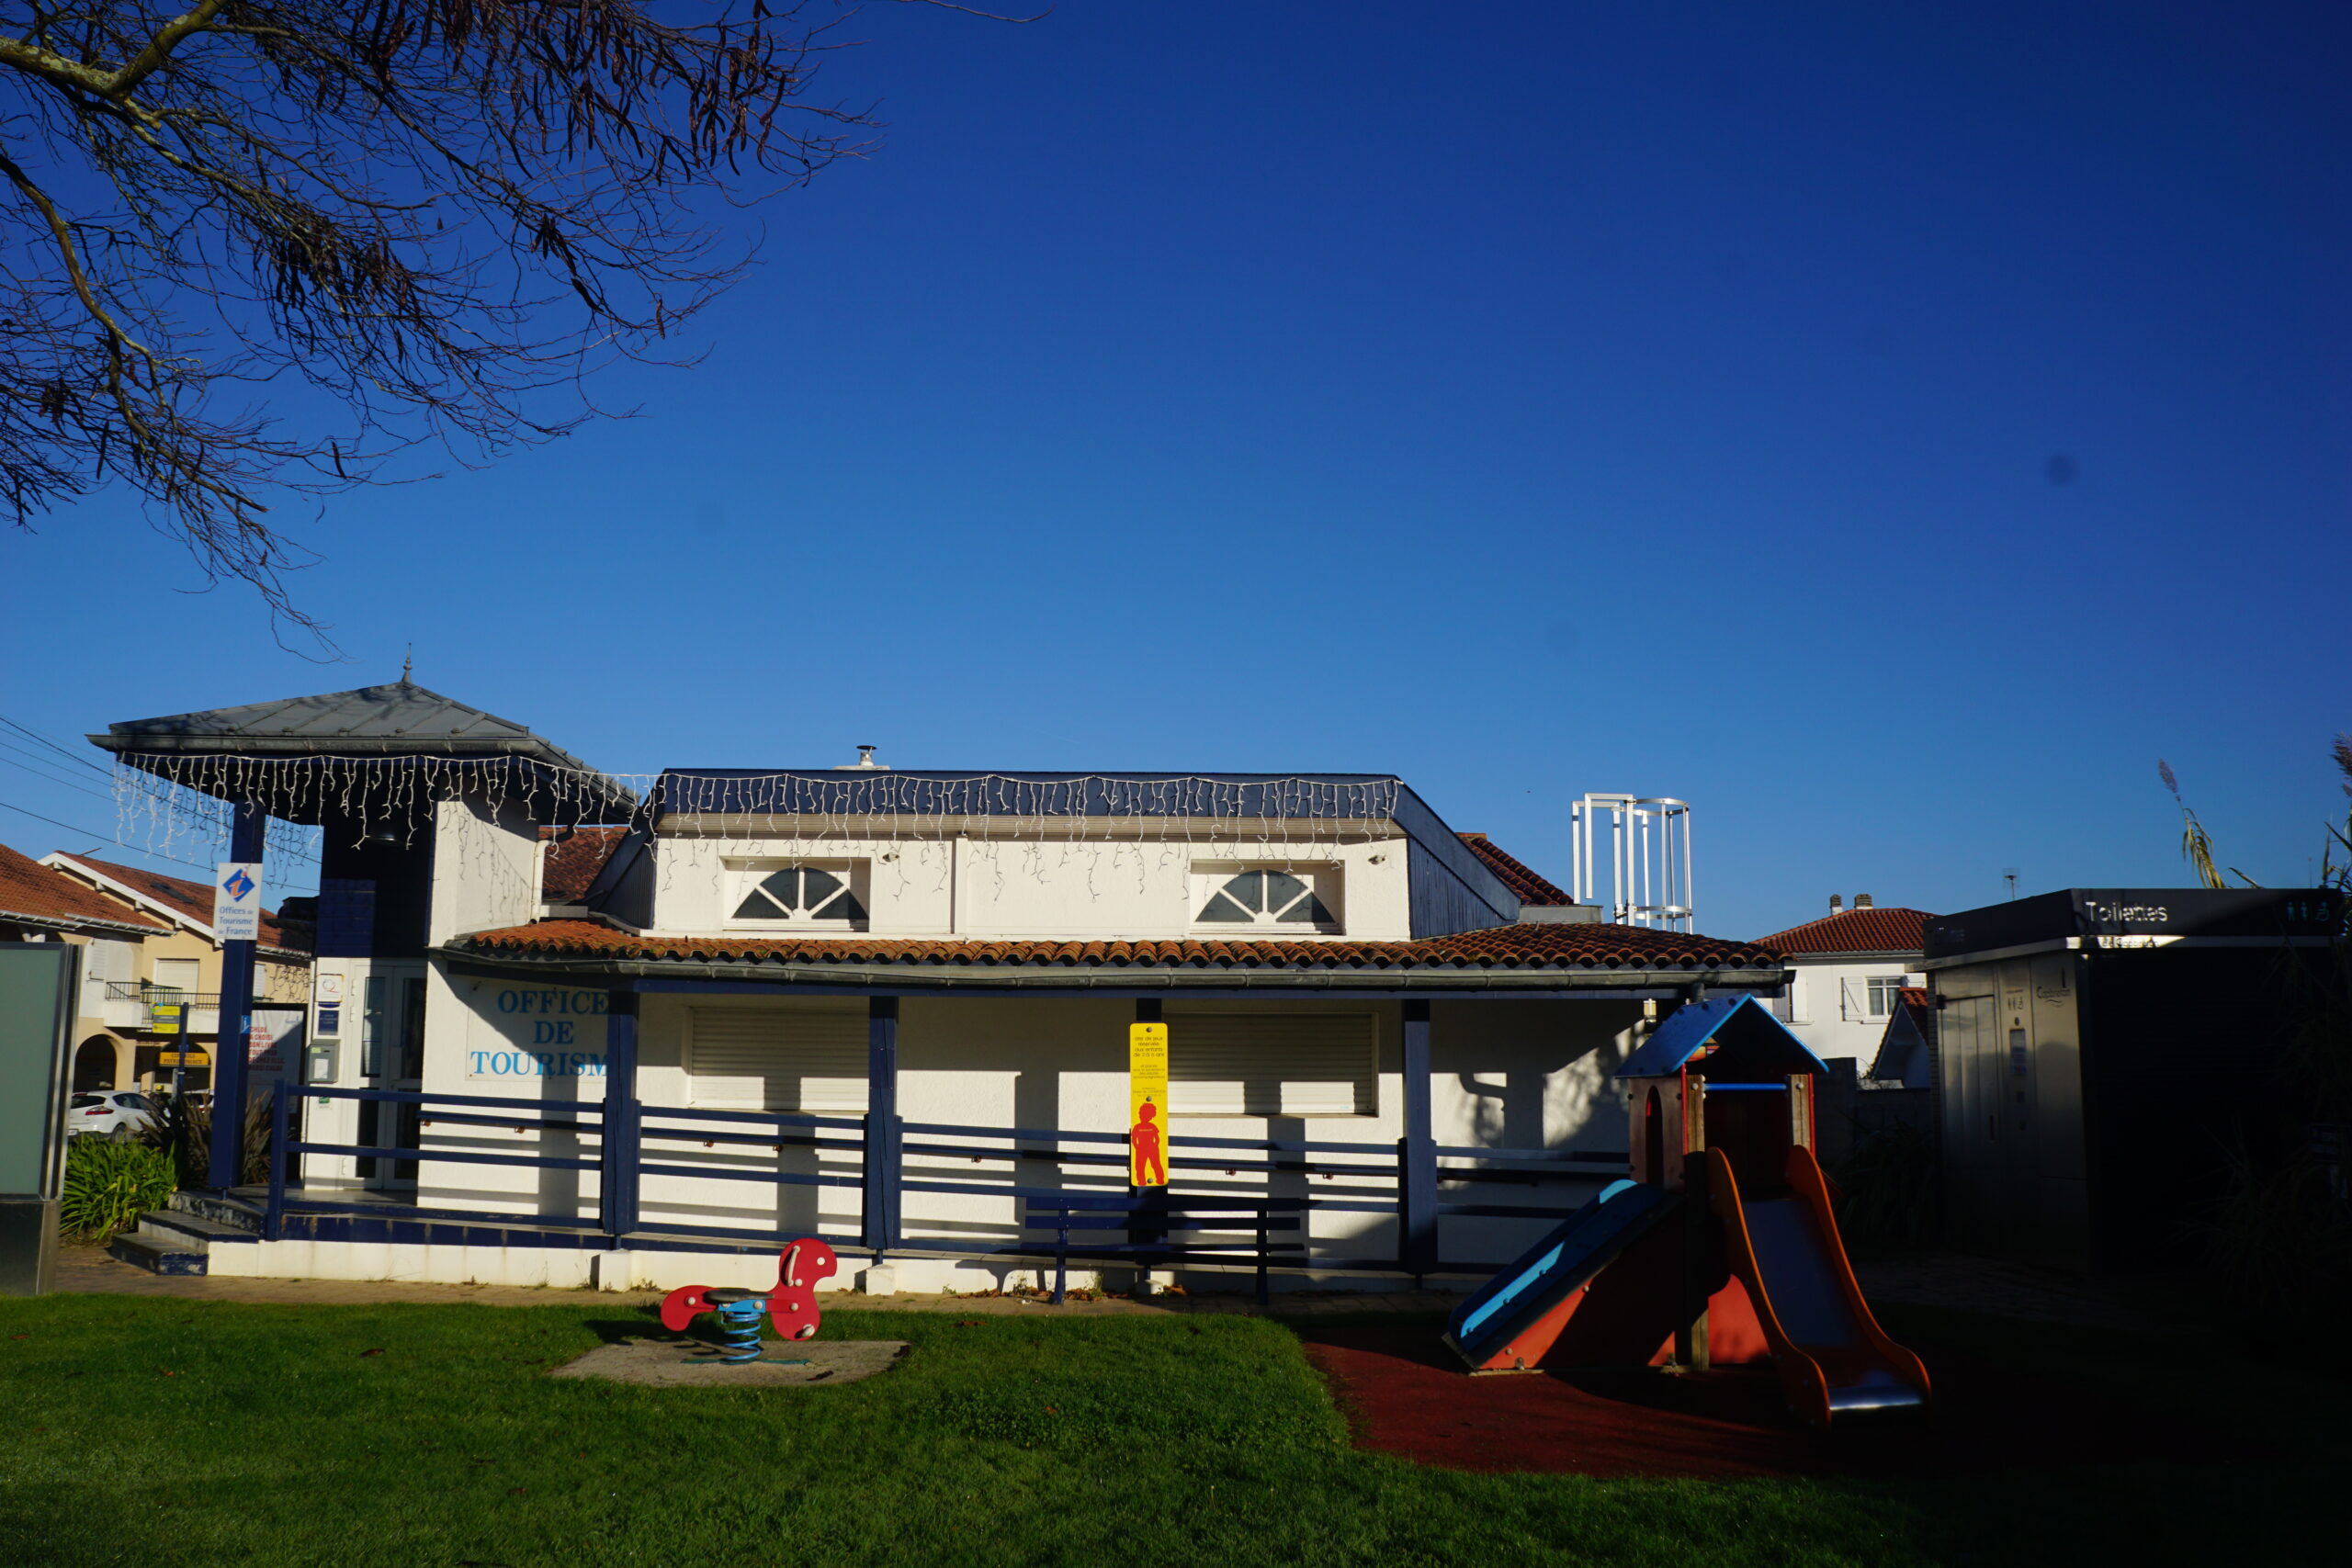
(1837, 904)
(865, 764)
(1861, 900)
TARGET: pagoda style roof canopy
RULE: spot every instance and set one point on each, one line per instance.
(399, 719)
(282, 755)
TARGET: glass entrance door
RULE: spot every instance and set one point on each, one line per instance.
(391, 1055)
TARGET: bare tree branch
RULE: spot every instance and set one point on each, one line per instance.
(428, 219)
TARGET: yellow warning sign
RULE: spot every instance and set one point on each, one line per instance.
(184, 1058)
(1147, 1104)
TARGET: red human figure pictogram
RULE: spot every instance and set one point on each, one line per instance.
(1143, 1144)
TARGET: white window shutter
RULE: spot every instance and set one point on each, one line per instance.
(1272, 1065)
(104, 960)
(807, 1054)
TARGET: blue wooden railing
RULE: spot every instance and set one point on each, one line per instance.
(871, 1154)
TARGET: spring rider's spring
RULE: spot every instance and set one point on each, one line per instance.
(738, 1325)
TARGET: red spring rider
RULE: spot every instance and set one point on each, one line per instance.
(791, 1304)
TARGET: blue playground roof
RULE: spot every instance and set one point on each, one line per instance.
(1738, 1028)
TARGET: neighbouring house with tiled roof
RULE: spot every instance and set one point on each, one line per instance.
(39, 903)
(576, 1028)
(1907, 1050)
(1534, 892)
(1849, 970)
(176, 965)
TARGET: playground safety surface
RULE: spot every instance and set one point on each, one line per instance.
(1406, 1394)
(676, 1363)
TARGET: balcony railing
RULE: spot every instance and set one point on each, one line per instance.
(131, 1004)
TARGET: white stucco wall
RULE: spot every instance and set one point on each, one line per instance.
(1828, 1003)
(485, 868)
(1096, 883)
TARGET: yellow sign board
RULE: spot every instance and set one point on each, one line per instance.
(165, 1017)
(184, 1058)
(1147, 1104)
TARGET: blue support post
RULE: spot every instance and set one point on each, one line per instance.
(884, 1135)
(1417, 1153)
(273, 1222)
(618, 1145)
(227, 1162)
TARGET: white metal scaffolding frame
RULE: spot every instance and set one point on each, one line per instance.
(1648, 858)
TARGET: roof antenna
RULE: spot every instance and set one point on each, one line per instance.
(408, 662)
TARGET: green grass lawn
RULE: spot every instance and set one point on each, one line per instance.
(155, 1431)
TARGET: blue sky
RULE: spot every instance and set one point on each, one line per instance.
(1890, 429)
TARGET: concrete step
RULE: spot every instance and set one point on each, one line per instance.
(171, 1225)
(186, 1257)
(225, 1211)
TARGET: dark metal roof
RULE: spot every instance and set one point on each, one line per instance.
(2310, 915)
(929, 792)
(399, 719)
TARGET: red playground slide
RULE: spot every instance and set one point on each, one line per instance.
(1830, 1351)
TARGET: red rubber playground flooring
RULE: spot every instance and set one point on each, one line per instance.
(1407, 1395)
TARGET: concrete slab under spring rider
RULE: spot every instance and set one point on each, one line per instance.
(681, 1363)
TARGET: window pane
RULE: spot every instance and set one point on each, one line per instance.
(844, 907)
(758, 907)
(815, 886)
(784, 889)
(1308, 910)
(1248, 890)
(1224, 911)
(1281, 889)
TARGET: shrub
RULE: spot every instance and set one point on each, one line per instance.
(1888, 1181)
(109, 1185)
(181, 1131)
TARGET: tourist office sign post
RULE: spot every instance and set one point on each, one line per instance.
(236, 925)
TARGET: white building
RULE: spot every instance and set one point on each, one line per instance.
(568, 1030)
(1847, 973)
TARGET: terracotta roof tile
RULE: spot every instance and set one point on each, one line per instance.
(1524, 883)
(1584, 947)
(1854, 930)
(572, 863)
(194, 900)
(38, 892)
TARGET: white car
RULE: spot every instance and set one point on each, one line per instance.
(114, 1113)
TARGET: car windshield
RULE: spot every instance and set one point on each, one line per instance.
(132, 1102)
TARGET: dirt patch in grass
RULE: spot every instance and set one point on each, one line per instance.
(681, 1363)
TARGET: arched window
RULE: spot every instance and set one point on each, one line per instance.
(1264, 898)
(802, 893)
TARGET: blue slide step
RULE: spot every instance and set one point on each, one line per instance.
(1563, 1261)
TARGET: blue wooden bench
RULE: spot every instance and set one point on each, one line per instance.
(1235, 1230)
